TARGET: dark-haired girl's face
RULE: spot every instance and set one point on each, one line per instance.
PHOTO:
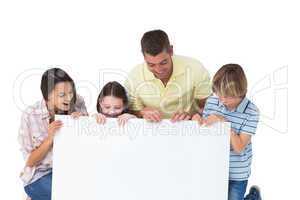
(112, 106)
(60, 98)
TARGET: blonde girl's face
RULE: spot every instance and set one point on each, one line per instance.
(112, 106)
(61, 96)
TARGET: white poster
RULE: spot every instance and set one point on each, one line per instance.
(140, 161)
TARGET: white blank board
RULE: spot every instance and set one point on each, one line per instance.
(140, 161)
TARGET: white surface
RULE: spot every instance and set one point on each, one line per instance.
(141, 161)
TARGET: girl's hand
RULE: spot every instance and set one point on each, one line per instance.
(76, 115)
(100, 118)
(211, 119)
(198, 118)
(52, 129)
(123, 119)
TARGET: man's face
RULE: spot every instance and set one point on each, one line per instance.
(160, 65)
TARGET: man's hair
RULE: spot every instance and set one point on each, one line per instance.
(154, 42)
(230, 80)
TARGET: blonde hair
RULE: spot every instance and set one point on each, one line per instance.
(230, 80)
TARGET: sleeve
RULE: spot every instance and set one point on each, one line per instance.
(80, 105)
(206, 111)
(134, 101)
(25, 138)
(202, 84)
(250, 125)
(210, 107)
(27, 146)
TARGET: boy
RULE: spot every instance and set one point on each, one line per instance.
(229, 103)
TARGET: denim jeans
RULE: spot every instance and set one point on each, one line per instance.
(40, 189)
(237, 189)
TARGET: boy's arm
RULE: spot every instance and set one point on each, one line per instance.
(239, 141)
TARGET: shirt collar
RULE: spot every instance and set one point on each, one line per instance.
(178, 69)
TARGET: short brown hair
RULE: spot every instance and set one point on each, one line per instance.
(154, 42)
(230, 80)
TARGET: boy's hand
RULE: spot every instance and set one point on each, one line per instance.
(211, 119)
(76, 115)
(122, 119)
(100, 118)
(198, 118)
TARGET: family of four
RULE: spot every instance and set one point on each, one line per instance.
(165, 86)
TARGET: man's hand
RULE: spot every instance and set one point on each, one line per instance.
(179, 116)
(198, 118)
(151, 114)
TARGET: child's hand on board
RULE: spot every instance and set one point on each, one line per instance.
(52, 128)
(123, 119)
(100, 118)
(196, 117)
(211, 119)
(76, 115)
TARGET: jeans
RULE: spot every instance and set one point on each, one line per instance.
(40, 189)
(237, 189)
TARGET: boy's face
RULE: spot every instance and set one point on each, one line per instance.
(111, 106)
(230, 102)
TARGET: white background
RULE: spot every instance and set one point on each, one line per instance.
(84, 38)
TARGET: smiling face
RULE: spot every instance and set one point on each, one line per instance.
(60, 98)
(111, 106)
(160, 65)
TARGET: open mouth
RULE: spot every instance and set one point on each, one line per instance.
(66, 104)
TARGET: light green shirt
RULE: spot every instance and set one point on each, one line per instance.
(188, 83)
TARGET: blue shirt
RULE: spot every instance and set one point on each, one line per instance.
(244, 119)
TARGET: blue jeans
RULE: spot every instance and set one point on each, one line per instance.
(40, 189)
(237, 189)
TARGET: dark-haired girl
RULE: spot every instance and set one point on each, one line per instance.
(112, 102)
(38, 128)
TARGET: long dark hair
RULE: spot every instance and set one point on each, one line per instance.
(53, 76)
(114, 89)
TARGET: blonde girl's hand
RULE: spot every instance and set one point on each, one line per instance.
(196, 117)
(100, 118)
(53, 127)
(123, 119)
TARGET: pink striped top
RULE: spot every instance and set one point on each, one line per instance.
(32, 132)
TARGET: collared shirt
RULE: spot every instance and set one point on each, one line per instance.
(33, 131)
(188, 83)
(244, 120)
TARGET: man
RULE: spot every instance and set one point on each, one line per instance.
(166, 86)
